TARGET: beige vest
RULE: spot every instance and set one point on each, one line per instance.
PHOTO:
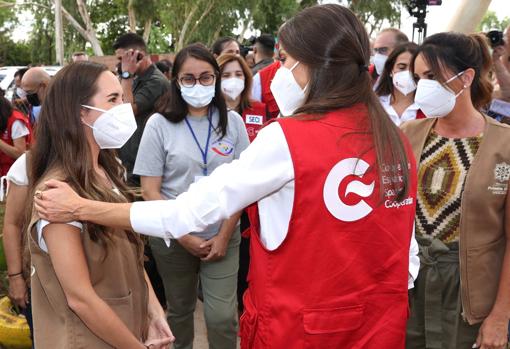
(482, 242)
(117, 278)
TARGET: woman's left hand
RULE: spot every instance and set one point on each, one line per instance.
(159, 330)
(493, 333)
(218, 245)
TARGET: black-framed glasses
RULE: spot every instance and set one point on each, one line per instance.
(204, 80)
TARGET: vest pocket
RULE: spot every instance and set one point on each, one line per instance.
(482, 285)
(333, 327)
(323, 321)
(124, 309)
(248, 322)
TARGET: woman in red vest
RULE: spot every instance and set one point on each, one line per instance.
(334, 187)
(15, 135)
(396, 86)
(236, 80)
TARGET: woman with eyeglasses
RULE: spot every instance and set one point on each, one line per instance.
(191, 135)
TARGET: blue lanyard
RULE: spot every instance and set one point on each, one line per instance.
(202, 151)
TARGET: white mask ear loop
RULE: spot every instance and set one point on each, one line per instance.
(294, 66)
(453, 78)
(93, 108)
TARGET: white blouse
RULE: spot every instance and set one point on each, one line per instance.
(263, 173)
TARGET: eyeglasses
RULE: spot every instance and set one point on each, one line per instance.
(204, 80)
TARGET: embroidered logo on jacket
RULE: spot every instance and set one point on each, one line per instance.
(334, 204)
(502, 172)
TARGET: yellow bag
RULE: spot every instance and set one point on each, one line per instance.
(14, 330)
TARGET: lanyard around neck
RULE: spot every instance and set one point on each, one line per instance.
(206, 150)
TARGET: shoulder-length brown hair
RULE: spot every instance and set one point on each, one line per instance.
(333, 44)
(225, 59)
(61, 144)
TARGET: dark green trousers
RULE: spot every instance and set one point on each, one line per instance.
(436, 320)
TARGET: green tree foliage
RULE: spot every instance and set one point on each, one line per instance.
(491, 21)
(374, 13)
(171, 24)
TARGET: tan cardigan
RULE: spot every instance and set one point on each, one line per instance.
(117, 278)
(482, 240)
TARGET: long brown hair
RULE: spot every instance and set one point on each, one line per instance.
(332, 42)
(385, 84)
(61, 146)
(458, 52)
(223, 60)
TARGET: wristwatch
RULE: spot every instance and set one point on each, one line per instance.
(126, 75)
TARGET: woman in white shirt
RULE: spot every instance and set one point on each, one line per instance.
(266, 173)
(396, 86)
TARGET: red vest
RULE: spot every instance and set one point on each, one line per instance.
(266, 77)
(420, 115)
(5, 160)
(339, 279)
(254, 118)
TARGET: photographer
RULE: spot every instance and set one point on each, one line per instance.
(500, 106)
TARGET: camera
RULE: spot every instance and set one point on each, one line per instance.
(418, 9)
(496, 38)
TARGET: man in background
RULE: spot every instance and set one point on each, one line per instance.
(263, 51)
(142, 84)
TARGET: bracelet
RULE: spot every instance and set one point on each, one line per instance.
(16, 274)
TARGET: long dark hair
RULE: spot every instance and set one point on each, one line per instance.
(385, 84)
(219, 44)
(458, 52)
(61, 147)
(332, 42)
(174, 108)
(6, 110)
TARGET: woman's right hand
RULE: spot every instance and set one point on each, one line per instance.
(193, 245)
(158, 343)
(58, 203)
(18, 291)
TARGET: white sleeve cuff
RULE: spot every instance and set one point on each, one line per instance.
(147, 219)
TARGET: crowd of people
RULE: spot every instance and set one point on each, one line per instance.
(324, 191)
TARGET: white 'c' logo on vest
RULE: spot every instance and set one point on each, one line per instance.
(334, 204)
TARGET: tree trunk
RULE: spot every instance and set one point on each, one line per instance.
(468, 15)
(131, 17)
(91, 33)
(185, 26)
(205, 13)
(147, 30)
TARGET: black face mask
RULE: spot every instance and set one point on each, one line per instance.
(33, 99)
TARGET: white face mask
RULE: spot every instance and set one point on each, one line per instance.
(286, 91)
(21, 92)
(379, 62)
(198, 96)
(434, 99)
(114, 127)
(404, 82)
(232, 87)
